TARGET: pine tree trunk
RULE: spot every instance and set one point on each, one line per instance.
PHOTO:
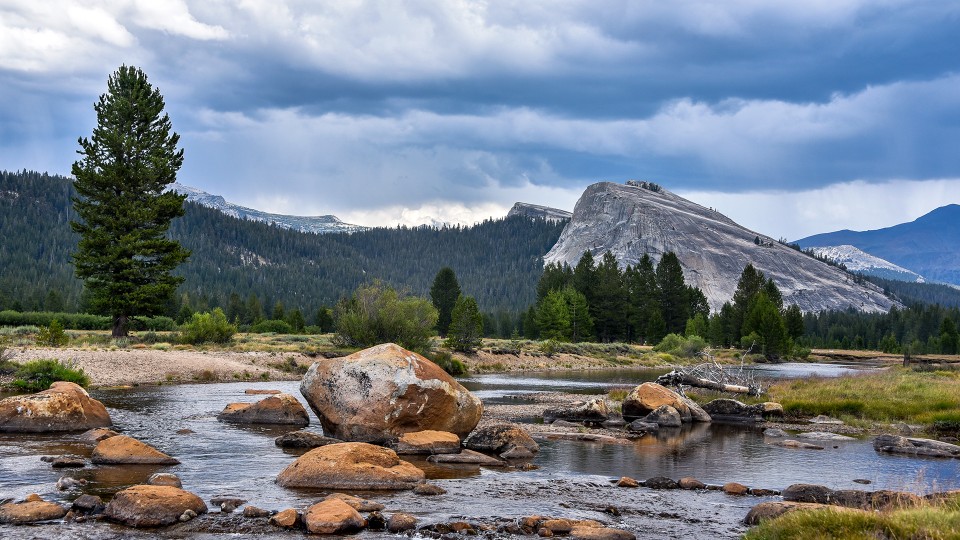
(120, 326)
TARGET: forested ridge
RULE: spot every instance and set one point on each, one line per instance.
(497, 261)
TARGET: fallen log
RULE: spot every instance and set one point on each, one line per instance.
(677, 378)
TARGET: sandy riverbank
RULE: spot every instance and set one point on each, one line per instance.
(150, 366)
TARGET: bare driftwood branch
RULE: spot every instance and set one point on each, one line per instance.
(712, 376)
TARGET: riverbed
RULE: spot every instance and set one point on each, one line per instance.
(573, 478)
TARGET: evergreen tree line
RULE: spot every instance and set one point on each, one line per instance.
(600, 302)
(917, 329)
(238, 265)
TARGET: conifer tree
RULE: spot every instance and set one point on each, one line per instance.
(581, 325)
(553, 317)
(466, 326)
(644, 297)
(674, 301)
(124, 207)
(609, 304)
(444, 294)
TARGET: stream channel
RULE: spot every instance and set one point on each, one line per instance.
(573, 479)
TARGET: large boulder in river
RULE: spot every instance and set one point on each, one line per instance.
(648, 397)
(152, 506)
(910, 446)
(359, 466)
(379, 393)
(276, 409)
(333, 516)
(120, 450)
(64, 406)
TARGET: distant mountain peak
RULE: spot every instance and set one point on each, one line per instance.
(632, 220)
(309, 224)
(858, 261)
(926, 245)
(537, 211)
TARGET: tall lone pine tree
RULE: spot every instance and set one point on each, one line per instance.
(444, 293)
(124, 255)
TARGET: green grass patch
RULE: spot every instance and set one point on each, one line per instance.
(933, 521)
(38, 375)
(897, 394)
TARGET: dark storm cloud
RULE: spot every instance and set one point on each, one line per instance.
(293, 104)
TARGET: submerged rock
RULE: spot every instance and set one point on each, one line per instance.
(127, 450)
(824, 436)
(467, 457)
(276, 409)
(304, 439)
(501, 438)
(164, 479)
(93, 436)
(427, 442)
(400, 522)
(351, 466)
(731, 410)
(65, 406)
(152, 506)
(358, 504)
(896, 444)
(379, 393)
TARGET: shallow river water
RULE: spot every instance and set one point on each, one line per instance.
(573, 479)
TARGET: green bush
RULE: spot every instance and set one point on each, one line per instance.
(273, 325)
(52, 335)
(449, 364)
(550, 347)
(207, 328)
(38, 375)
(677, 345)
(80, 321)
(377, 314)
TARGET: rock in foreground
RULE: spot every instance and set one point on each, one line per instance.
(30, 512)
(276, 409)
(65, 406)
(333, 516)
(379, 393)
(351, 466)
(152, 506)
(121, 449)
(648, 397)
(304, 439)
(427, 442)
(501, 439)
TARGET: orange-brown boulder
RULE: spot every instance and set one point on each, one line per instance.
(733, 488)
(380, 393)
(600, 533)
(351, 466)
(648, 397)
(358, 504)
(121, 449)
(276, 409)
(31, 512)
(333, 516)
(427, 442)
(64, 406)
(152, 506)
(285, 519)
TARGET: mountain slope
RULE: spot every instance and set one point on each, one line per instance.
(308, 224)
(497, 261)
(713, 250)
(926, 245)
(538, 211)
(861, 262)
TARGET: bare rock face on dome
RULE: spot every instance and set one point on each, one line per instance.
(64, 406)
(378, 394)
(643, 218)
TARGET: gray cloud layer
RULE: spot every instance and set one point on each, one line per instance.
(411, 111)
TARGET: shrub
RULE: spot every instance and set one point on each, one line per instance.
(208, 327)
(38, 375)
(377, 314)
(449, 364)
(272, 325)
(677, 345)
(549, 347)
(52, 335)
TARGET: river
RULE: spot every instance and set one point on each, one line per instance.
(573, 478)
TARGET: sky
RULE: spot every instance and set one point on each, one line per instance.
(793, 118)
